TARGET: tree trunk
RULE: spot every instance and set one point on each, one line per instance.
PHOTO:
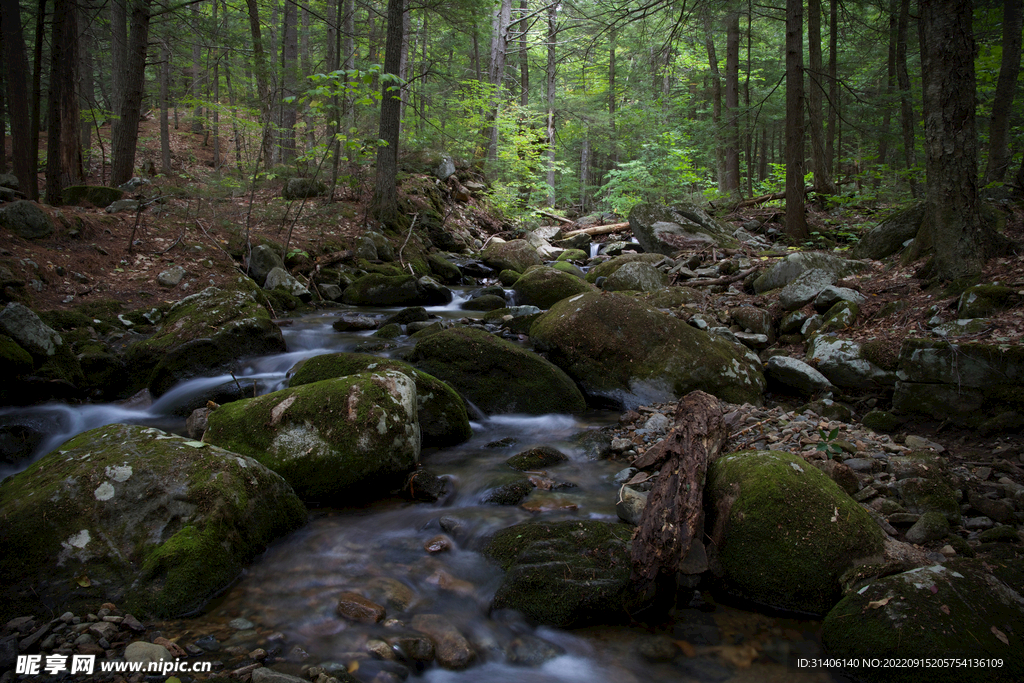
(37, 81)
(551, 80)
(796, 220)
(63, 144)
(890, 88)
(1002, 105)
(833, 90)
(716, 102)
(496, 71)
(612, 98)
(259, 61)
(906, 100)
(16, 62)
(403, 66)
(118, 50)
(384, 205)
(289, 78)
(348, 51)
(815, 96)
(524, 57)
(165, 86)
(955, 228)
(3, 107)
(584, 173)
(732, 104)
(124, 133)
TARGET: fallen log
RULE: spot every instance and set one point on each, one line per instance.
(561, 219)
(673, 519)
(724, 280)
(598, 230)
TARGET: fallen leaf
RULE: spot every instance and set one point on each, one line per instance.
(933, 588)
(875, 604)
(1000, 635)
(945, 609)
(83, 581)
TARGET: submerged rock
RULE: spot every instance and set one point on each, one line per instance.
(156, 522)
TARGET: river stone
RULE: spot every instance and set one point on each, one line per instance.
(22, 325)
(279, 278)
(154, 522)
(262, 260)
(96, 195)
(832, 295)
(441, 411)
(783, 532)
(537, 458)
(626, 351)
(931, 526)
(564, 574)
(517, 255)
(202, 333)
(805, 287)
(171, 277)
(636, 276)
(609, 267)
(335, 440)
(27, 220)
(452, 649)
(141, 651)
(789, 268)
(375, 289)
(265, 674)
(496, 375)
(630, 505)
(843, 363)
(963, 610)
(796, 374)
(544, 286)
(684, 226)
(487, 302)
(302, 188)
(355, 607)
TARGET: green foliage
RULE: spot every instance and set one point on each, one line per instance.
(664, 172)
(828, 445)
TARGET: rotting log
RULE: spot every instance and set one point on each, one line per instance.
(598, 230)
(674, 515)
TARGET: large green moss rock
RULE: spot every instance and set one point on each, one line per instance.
(153, 522)
(621, 349)
(51, 359)
(441, 411)
(202, 333)
(565, 574)
(496, 375)
(608, 267)
(334, 441)
(783, 532)
(97, 195)
(517, 255)
(376, 289)
(963, 611)
(636, 277)
(14, 360)
(982, 301)
(26, 219)
(544, 286)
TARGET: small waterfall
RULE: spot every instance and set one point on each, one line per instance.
(594, 248)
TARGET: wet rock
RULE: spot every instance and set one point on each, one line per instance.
(564, 573)
(517, 255)
(414, 647)
(279, 278)
(656, 648)
(391, 592)
(511, 493)
(355, 607)
(265, 674)
(136, 523)
(424, 485)
(355, 323)
(438, 544)
(932, 526)
(537, 458)
(141, 651)
(452, 649)
(543, 286)
(375, 289)
(527, 650)
(195, 425)
(630, 505)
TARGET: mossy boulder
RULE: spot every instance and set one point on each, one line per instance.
(668, 230)
(891, 234)
(783, 532)
(496, 375)
(334, 441)
(14, 360)
(841, 316)
(537, 458)
(636, 276)
(790, 268)
(964, 610)
(623, 350)
(564, 574)
(982, 301)
(544, 286)
(27, 220)
(97, 195)
(608, 267)
(153, 522)
(202, 333)
(446, 271)
(375, 289)
(844, 364)
(517, 255)
(52, 360)
(441, 411)
(570, 268)
(573, 255)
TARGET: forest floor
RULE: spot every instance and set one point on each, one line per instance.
(118, 256)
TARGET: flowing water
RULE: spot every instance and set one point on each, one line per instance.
(288, 596)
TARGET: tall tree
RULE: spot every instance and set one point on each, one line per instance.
(259, 67)
(732, 103)
(906, 100)
(551, 73)
(954, 229)
(815, 98)
(384, 204)
(124, 132)
(63, 143)
(289, 73)
(796, 219)
(496, 71)
(22, 154)
(999, 127)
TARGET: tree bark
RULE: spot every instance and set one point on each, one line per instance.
(289, 78)
(124, 134)
(1002, 105)
(833, 89)
(63, 144)
(496, 71)
(906, 99)
(259, 61)
(16, 61)
(955, 230)
(673, 519)
(815, 97)
(165, 86)
(37, 87)
(796, 220)
(551, 73)
(716, 101)
(3, 105)
(732, 104)
(524, 57)
(384, 205)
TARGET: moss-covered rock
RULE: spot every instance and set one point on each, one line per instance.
(496, 375)
(517, 255)
(564, 573)
(376, 289)
(790, 268)
(783, 532)
(668, 230)
(202, 333)
(965, 610)
(982, 301)
(573, 255)
(445, 270)
(537, 458)
(154, 522)
(623, 350)
(840, 317)
(14, 360)
(97, 195)
(26, 219)
(570, 268)
(334, 441)
(636, 276)
(441, 411)
(544, 286)
(486, 302)
(608, 267)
